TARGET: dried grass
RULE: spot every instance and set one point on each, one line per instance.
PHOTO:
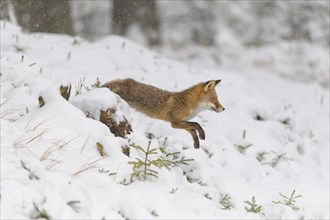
(85, 143)
(34, 128)
(23, 142)
(87, 166)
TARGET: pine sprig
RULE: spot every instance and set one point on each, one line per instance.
(243, 145)
(226, 203)
(40, 213)
(278, 158)
(253, 206)
(289, 201)
(142, 168)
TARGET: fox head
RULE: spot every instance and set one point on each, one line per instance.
(209, 96)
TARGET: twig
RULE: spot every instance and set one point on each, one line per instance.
(69, 141)
(85, 143)
(52, 164)
(4, 102)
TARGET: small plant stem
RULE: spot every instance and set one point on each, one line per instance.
(146, 160)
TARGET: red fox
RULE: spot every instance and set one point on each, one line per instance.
(174, 107)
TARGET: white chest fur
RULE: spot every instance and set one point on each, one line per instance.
(193, 112)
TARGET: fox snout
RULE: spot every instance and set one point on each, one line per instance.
(220, 109)
(217, 107)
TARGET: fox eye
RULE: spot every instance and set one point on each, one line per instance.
(212, 99)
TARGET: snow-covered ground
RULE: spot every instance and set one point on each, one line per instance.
(273, 138)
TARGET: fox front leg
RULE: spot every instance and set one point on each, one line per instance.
(199, 129)
(195, 138)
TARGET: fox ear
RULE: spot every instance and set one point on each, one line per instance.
(209, 85)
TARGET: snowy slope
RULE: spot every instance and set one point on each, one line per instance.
(50, 164)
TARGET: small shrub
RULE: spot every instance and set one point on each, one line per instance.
(142, 168)
(278, 158)
(258, 117)
(243, 145)
(97, 84)
(174, 190)
(291, 202)
(191, 179)
(39, 213)
(154, 213)
(208, 196)
(126, 182)
(253, 206)
(107, 172)
(150, 135)
(261, 156)
(81, 86)
(174, 157)
(104, 171)
(225, 202)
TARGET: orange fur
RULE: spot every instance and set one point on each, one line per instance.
(174, 107)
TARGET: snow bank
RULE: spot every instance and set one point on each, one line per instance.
(97, 100)
(273, 138)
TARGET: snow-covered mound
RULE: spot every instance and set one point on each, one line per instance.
(57, 163)
(97, 100)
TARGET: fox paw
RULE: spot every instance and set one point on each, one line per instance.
(201, 134)
(196, 145)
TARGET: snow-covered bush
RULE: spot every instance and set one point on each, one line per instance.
(103, 105)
